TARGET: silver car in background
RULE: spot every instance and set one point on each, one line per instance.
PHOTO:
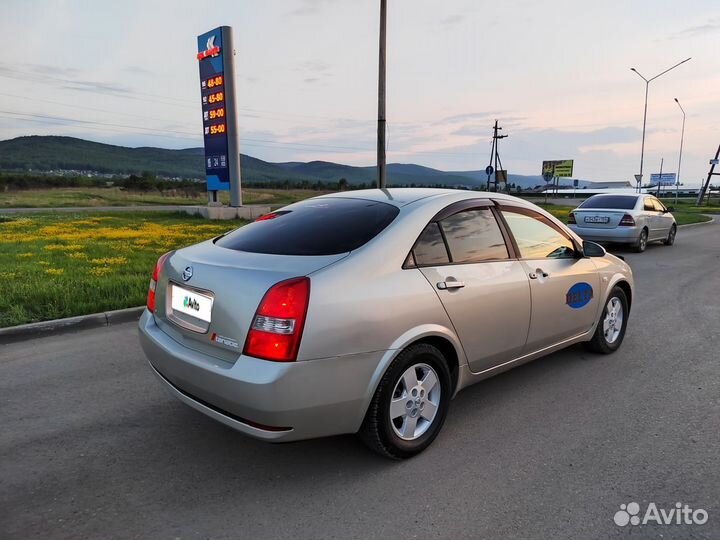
(624, 218)
(367, 311)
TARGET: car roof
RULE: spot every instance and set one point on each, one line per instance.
(404, 196)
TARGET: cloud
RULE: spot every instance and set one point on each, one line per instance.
(55, 71)
(309, 7)
(464, 117)
(711, 25)
(316, 66)
(452, 20)
(95, 86)
(485, 130)
(315, 71)
(67, 77)
(137, 70)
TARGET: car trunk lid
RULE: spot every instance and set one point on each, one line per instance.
(207, 295)
(598, 218)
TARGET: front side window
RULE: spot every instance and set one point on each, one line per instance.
(474, 236)
(536, 236)
(659, 207)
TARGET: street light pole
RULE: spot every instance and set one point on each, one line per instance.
(682, 136)
(647, 88)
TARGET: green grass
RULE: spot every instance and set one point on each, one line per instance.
(61, 265)
(113, 196)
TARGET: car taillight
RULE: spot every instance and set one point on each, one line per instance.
(627, 221)
(278, 324)
(153, 281)
(571, 219)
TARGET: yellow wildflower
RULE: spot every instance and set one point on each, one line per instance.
(100, 270)
(61, 247)
(109, 260)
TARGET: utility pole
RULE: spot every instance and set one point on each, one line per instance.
(490, 169)
(706, 186)
(657, 191)
(494, 152)
(382, 181)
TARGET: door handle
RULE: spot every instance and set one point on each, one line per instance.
(445, 285)
(538, 273)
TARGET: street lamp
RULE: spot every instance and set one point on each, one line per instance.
(682, 136)
(647, 86)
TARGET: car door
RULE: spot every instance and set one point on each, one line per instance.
(485, 290)
(665, 219)
(564, 285)
(653, 218)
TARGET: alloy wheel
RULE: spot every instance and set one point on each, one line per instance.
(415, 402)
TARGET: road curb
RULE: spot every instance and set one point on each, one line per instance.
(23, 332)
(711, 220)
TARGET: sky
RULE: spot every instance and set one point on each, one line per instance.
(555, 74)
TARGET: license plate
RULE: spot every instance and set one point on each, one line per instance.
(597, 219)
(191, 303)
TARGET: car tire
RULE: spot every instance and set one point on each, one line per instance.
(670, 240)
(609, 334)
(641, 242)
(407, 391)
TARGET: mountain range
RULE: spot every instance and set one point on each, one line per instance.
(53, 154)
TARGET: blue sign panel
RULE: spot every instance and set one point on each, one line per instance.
(214, 109)
(664, 179)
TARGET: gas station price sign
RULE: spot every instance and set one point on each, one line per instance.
(211, 60)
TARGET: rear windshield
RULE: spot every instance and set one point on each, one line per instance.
(314, 227)
(620, 202)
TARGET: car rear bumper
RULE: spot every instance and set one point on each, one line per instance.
(273, 401)
(618, 234)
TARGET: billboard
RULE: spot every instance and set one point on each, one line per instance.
(562, 168)
(219, 112)
(664, 179)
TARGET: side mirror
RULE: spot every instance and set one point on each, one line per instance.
(670, 209)
(591, 249)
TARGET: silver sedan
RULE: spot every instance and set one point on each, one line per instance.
(367, 311)
(624, 218)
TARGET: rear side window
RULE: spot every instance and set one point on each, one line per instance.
(314, 227)
(470, 236)
(648, 205)
(474, 236)
(617, 202)
(430, 248)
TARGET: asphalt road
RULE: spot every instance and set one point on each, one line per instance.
(92, 447)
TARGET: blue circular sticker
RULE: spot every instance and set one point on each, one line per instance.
(579, 295)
